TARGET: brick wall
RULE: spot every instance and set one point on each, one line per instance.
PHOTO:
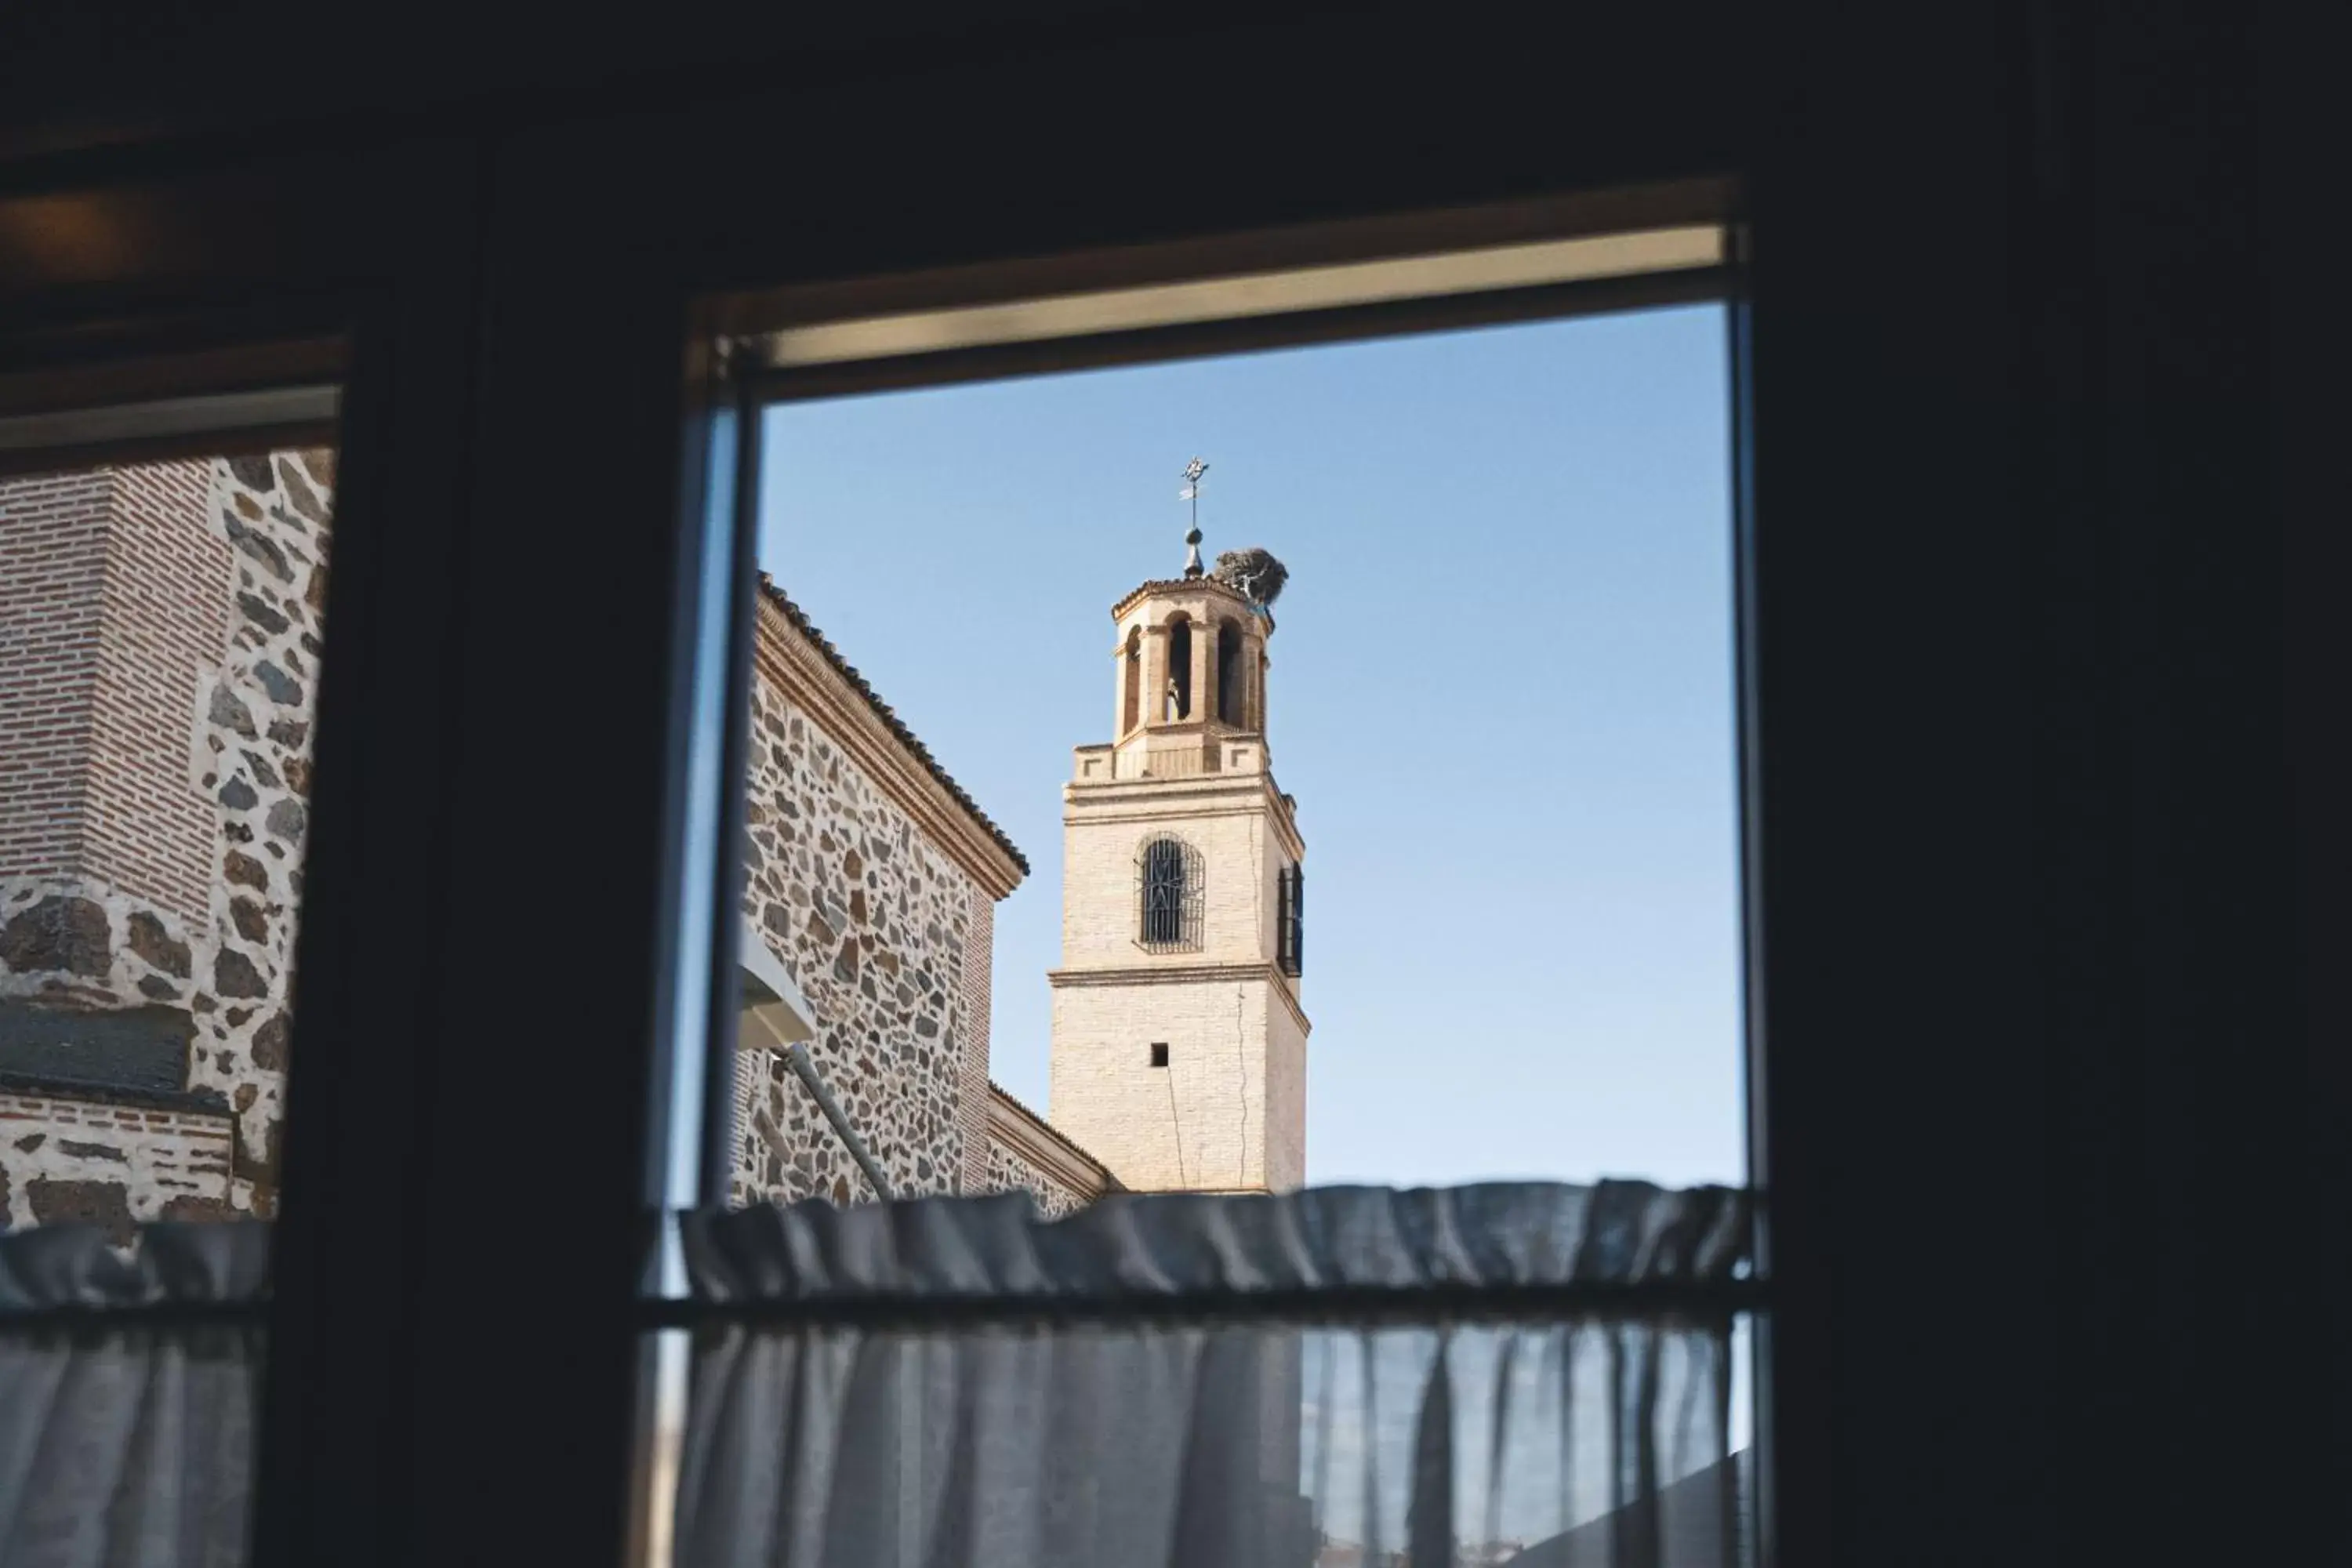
(979, 963)
(1228, 1112)
(163, 624)
(1229, 822)
(1224, 1114)
(113, 601)
(52, 584)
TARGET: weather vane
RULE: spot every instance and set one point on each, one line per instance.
(1191, 492)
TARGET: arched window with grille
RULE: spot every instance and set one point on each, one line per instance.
(1168, 896)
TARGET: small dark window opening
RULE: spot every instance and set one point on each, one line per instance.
(1168, 888)
(1290, 918)
(1180, 670)
(1132, 704)
(1160, 1053)
(1233, 707)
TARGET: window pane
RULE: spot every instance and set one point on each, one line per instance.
(1466, 596)
(161, 633)
(1000, 939)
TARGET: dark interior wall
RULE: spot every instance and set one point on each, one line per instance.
(2012, 362)
(2048, 843)
(243, 70)
(81, 77)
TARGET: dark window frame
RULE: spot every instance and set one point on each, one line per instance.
(2056, 635)
(1290, 918)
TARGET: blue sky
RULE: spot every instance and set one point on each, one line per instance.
(1501, 692)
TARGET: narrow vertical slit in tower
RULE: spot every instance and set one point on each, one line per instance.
(1180, 670)
(1130, 707)
(1231, 708)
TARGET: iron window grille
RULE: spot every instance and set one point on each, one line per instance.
(1290, 918)
(1168, 896)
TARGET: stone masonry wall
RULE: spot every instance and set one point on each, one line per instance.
(1008, 1171)
(871, 921)
(115, 933)
(159, 712)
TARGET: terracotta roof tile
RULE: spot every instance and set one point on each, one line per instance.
(890, 720)
(1214, 586)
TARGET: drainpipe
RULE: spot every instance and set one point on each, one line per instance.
(776, 1016)
(797, 1055)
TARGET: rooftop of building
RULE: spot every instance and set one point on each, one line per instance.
(798, 619)
(1010, 1105)
(1181, 585)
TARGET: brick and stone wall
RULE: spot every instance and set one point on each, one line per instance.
(108, 1162)
(1009, 1171)
(163, 633)
(159, 870)
(873, 880)
(1025, 1153)
(870, 919)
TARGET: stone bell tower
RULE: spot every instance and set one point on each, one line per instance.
(1180, 1043)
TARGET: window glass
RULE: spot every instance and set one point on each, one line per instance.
(1448, 615)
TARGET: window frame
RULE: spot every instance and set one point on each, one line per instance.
(2125, 967)
(704, 479)
(1290, 918)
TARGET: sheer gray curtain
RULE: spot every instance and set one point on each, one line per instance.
(127, 1446)
(1343, 1377)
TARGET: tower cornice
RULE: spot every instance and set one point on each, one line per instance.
(1199, 795)
(1187, 974)
(1175, 586)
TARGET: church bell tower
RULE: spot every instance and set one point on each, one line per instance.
(1179, 1042)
